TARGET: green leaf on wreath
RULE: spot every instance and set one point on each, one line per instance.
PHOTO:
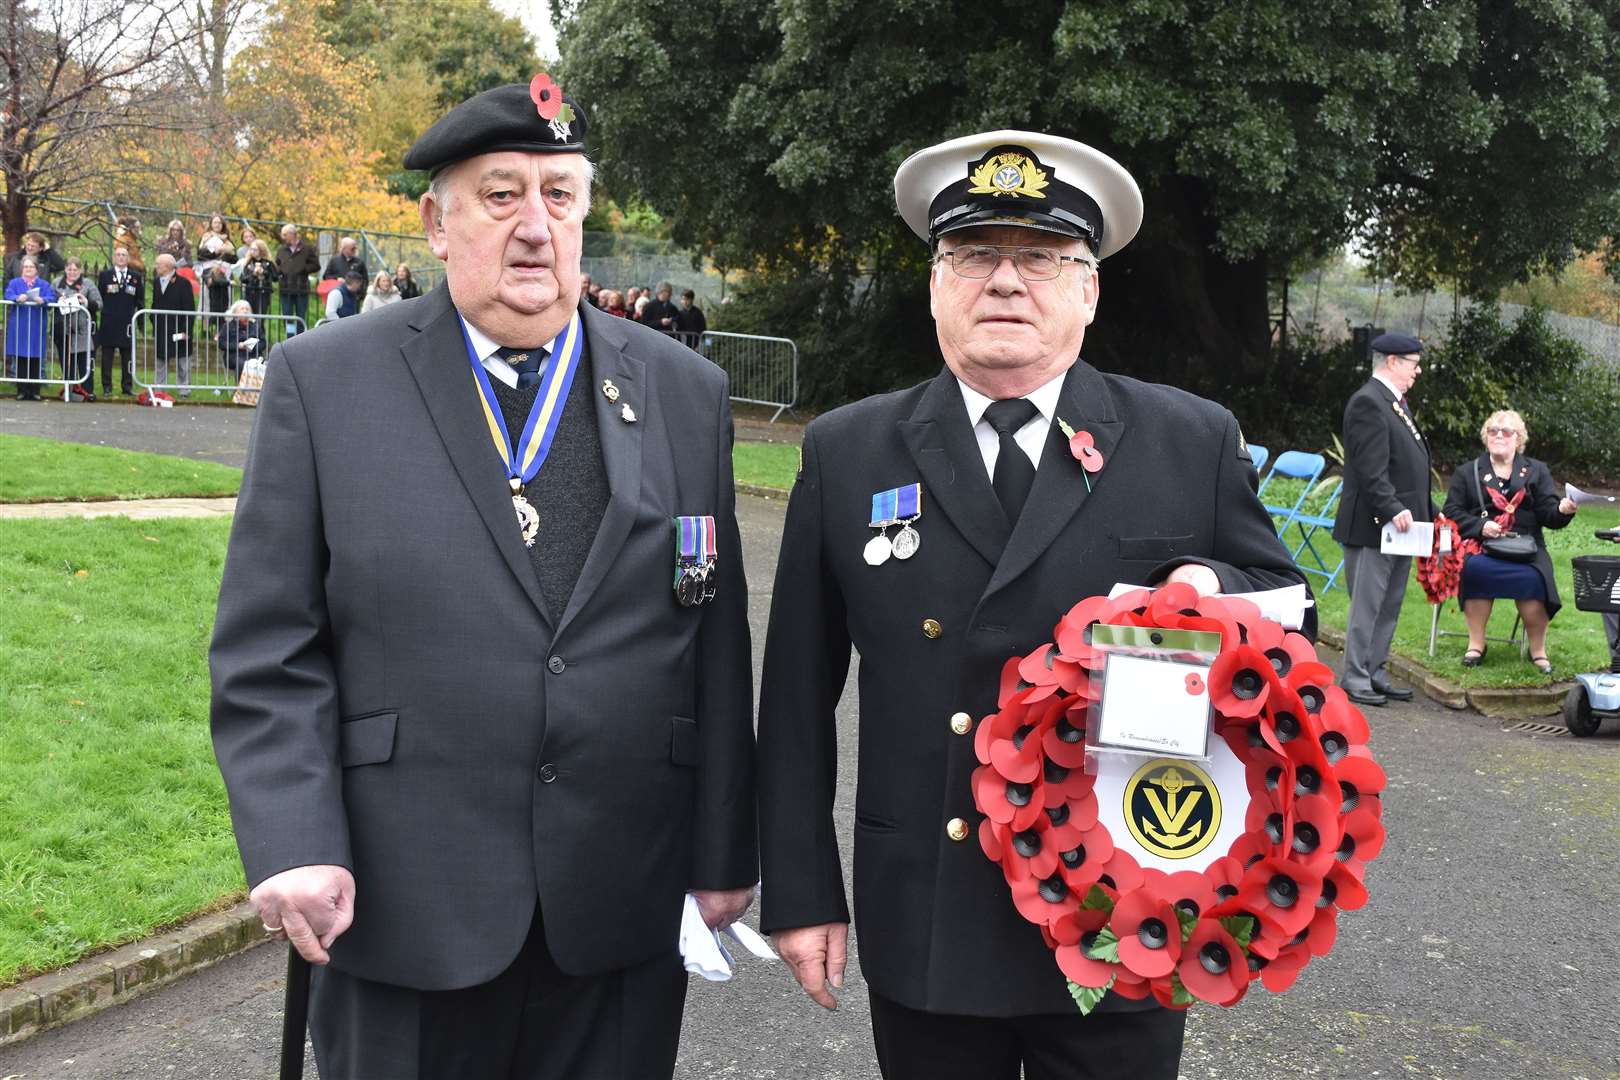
(1087, 997)
(1106, 947)
(1096, 900)
(1178, 992)
(1189, 922)
(1241, 927)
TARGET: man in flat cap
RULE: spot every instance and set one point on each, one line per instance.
(1386, 480)
(478, 749)
(1000, 531)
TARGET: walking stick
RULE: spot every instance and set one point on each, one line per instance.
(295, 1016)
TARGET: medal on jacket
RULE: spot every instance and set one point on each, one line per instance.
(523, 458)
(1407, 420)
(897, 506)
(695, 560)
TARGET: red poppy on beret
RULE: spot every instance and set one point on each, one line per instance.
(546, 95)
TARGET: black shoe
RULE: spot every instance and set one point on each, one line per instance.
(1361, 697)
(1394, 693)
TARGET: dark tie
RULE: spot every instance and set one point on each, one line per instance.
(1014, 473)
(526, 362)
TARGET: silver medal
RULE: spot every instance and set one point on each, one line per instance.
(906, 542)
(878, 549)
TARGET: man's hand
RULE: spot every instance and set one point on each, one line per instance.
(817, 955)
(308, 906)
(1199, 576)
(720, 908)
(1402, 521)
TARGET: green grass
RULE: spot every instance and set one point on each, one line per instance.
(45, 470)
(1575, 640)
(771, 465)
(113, 818)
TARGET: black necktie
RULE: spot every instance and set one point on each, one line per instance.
(526, 362)
(1014, 472)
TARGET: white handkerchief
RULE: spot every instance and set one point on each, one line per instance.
(704, 951)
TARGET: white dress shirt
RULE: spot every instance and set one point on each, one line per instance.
(1031, 438)
(486, 348)
(1392, 387)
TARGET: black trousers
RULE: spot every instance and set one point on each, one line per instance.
(107, 368)
(1139, 1045)
(531, 1022)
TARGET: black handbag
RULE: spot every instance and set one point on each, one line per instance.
(1510, 546)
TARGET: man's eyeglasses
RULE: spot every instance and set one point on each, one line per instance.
(1501, 432)
(1032, 263)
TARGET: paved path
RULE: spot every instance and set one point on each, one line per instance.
(1487, 952)
(138, 509)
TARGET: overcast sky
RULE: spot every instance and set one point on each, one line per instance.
(537, 19)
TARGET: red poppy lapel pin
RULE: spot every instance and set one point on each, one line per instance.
(1083, 447)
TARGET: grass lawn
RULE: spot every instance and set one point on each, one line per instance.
(113, 819)
(45, 470)
(771, 465)
(1575, 640)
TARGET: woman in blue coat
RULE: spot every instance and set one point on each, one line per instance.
(25, 327)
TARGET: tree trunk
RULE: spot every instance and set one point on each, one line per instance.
(14, 218)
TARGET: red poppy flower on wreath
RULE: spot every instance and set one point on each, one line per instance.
(546, 95)
(1213, 966)
(1149, 933)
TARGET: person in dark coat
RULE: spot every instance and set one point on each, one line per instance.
(1498, 492)
(1013, 532)
(345, 261)
(295, 261)
(258, 278)
(47, 259)
(478, 751)
(73, 329)
(171, 334)
(240, 337)
(405, 284)
(689, 320)
(123, 293)
(1386, 479)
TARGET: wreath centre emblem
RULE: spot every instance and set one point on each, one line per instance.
(1173, 808)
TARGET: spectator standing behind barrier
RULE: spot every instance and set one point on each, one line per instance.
(244, 251)
(381, 293)
(74, 329)
(631, 295)
(214, 253)
(258, 278)
(295, 261)
(240, 336)
(588, 290)
(344, 300)
(613, 303)
(172, 333)
(347, 259)
(48, 262)
(174, 243)
(660, 314)
(123, 293)
(689, 318)
(405, 284)
(128, 235)
(643, 302)
(1386, 481)
(25, 330)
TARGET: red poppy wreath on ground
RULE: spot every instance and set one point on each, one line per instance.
(1260, 911)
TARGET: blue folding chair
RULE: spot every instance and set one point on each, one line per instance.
(1308, 524)
(1259, 455)
(1295, 465)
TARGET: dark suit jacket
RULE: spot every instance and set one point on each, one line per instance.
(118, 306)
(391, 693)
(938, 930)
(177, 297)
(1470, 507)
(1386, 467)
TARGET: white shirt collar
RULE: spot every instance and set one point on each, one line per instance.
(1392, 387)
(486, 347)
(1043, 397)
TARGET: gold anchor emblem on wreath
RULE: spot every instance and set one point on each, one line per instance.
(1172, 812)
(1008, 174)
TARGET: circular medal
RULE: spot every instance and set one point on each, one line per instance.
(878, 549)
(906, 542)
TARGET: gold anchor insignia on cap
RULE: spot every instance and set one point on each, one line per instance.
(610, 391)
(1009, 173)
(628, 414)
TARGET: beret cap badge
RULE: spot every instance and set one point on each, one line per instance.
(1009, 173)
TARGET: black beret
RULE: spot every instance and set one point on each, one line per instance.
(1396, 344)
(511, 117)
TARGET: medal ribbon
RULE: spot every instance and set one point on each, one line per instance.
(695, 539)
(523, 459)
(896, 505)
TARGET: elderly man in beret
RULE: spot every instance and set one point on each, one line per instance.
(481, 757)
(1001, 530)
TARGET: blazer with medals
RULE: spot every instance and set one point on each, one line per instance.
(392, 694)
(938, 930)
(119, 305)
(1386, 466)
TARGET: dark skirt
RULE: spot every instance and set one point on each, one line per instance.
(1484, 577)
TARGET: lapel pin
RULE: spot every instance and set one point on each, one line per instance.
(628, 413)
(610, 391)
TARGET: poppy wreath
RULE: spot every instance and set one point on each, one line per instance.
(1441, 574)
(1259, 912)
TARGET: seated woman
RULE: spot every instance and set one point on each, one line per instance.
(1503, 491)
(240, 338)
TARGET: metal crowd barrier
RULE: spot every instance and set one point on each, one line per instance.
(763, 370)
(182, 352)
(39, 337)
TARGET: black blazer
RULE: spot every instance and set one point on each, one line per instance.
(1538, 510)
(392, 694)
(178, 297)
(1386, 466)
(118, 306)
(938, 930)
